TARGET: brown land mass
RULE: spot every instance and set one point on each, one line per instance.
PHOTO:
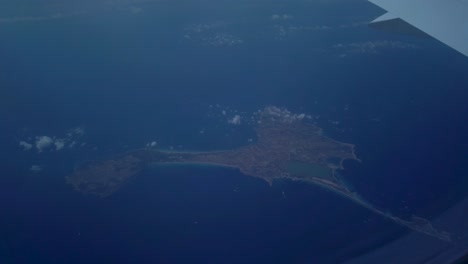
(286, 147)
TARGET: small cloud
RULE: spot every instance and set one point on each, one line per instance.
(35, 168)
(72, 144)
(310, 28)
(282, 31)
(29, 18)
(281, 114)
(222, 40)
(211, 35)
(43, 142)
(77, 131)
(52, 143)
(354, 24)
(25, 145)
(198, 28)
(59, 144)
(236, 120)
(151, 144)
(33, 19)
(282, 17)
(371, 47)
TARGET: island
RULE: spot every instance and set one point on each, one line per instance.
(288, 146)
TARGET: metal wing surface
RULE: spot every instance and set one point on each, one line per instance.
(445, 20)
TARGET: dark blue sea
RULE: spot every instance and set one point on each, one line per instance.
(129, 78)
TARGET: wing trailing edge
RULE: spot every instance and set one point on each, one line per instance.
(445, 20)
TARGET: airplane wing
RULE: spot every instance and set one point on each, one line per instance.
(445, 20)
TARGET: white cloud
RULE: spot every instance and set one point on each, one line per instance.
(26, 19)
(229, 115)
(35, 168)
(371, 47)
(281, 114)
(281, 32)
(76, 132)
(310, 28)
(281, 17)
(43, 142)
(151, 144)
(25, 145)
(197, 32)
(222, 40)
(236, 120)
(354, 24)
(213, 34)
(198, 28)
(59, 144)
(284, 29)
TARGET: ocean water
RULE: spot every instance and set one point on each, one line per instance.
(185, 214)
(130, 80)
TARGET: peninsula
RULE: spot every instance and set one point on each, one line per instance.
(287, 146)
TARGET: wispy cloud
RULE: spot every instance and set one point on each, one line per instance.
(25, 19)
(214, 34)
(282, 17)
(25, 145)
(222, 40)
(282, 114)
(35, 168)
(371, 47)
(235, 120)
(152, 144)
(283, 27)
(57, 11)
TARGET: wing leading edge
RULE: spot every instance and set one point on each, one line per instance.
(445, 20)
